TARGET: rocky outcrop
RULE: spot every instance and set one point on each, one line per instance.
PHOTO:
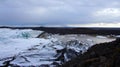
(66, 54)
(99, 55)
(44, 35)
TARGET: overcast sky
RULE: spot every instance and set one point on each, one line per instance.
(59, 12)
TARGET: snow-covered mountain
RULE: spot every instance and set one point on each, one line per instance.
(25, 48)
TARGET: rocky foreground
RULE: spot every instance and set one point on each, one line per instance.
(99, 55)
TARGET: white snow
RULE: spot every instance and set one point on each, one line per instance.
(17, 45)
(117, 36)
(14, 41)
(23, 43)
(102, 37)
(58, 47)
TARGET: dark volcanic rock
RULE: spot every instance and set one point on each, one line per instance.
(73, 30)
(66, 54)
(44, 35)
(100, 55)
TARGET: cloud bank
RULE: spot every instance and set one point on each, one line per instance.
(58, 12)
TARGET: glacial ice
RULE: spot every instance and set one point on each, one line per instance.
(31, 51)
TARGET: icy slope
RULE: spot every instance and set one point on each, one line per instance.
(14, 41)
(48, 52)
(26, 33)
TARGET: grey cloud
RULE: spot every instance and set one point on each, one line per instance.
(53, 11)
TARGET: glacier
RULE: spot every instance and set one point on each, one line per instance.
(25, 48)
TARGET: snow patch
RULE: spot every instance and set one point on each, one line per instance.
(102, 37)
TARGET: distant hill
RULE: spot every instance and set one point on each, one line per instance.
(73, 30)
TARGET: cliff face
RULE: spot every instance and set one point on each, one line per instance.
(99, 55)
